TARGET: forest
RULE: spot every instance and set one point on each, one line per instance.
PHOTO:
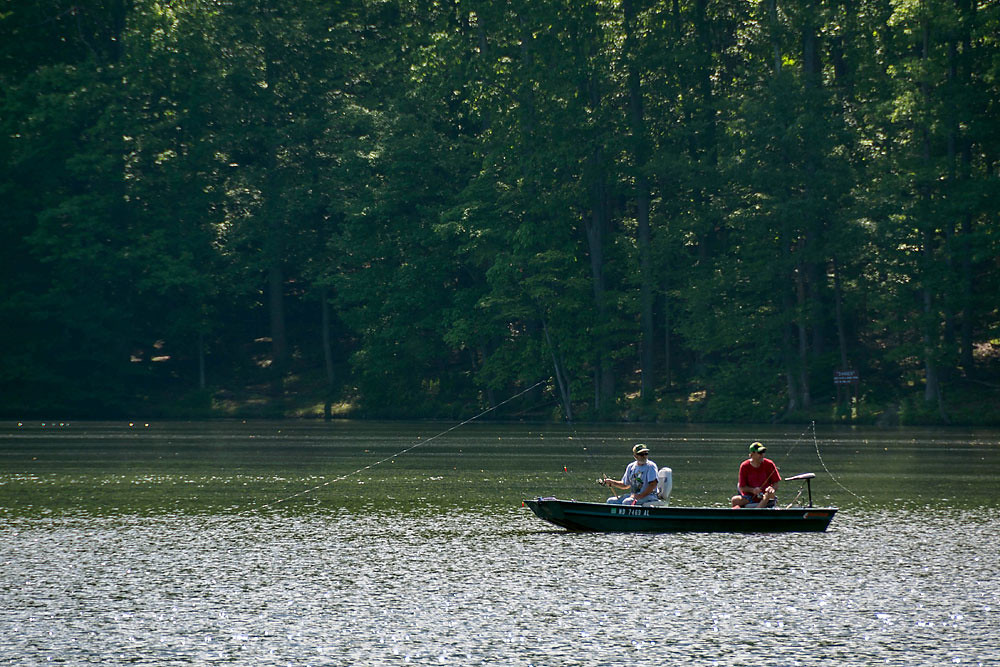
(649, 210)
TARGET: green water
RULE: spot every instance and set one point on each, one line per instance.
(406, 544)
(110, 468)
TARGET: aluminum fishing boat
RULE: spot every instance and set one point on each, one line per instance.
(659, 518)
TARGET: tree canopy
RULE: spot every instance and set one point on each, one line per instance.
(667, 210)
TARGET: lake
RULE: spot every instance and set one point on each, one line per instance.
(351, 543)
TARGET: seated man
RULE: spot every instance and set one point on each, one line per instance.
(758, 480)
(639, 479)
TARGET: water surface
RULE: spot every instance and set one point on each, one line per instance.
(192, 544)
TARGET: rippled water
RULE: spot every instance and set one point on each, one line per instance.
(466, 582)
(472, 588)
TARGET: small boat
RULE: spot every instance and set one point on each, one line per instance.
(659, 518)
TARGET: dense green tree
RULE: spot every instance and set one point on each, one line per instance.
(68, 307)
(690, 209)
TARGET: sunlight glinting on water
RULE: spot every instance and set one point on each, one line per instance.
(214, 543)
(470, 588)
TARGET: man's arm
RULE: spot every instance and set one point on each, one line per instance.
(650, 488)
(614, 484)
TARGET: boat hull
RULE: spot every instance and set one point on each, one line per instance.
(600, 517)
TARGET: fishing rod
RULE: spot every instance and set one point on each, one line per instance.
(403, 451)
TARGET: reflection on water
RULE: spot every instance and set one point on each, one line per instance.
(159, 548)
(887, 587)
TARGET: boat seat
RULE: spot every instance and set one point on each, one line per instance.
(664, 485)
(770, 505)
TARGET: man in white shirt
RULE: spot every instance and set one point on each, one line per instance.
(639, 480)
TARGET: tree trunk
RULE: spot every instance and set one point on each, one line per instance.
(965, 345)
(951, 144)
(807, 288)
(932, 387)
(787, 334)
(803, 335)
(201, 360)
(838, 299)
(327, 354)
(775, 42)
(276, 310)
(667, 365)
(639, 156)
(562, 382)
(596, 225)
(965, 268)
(273, 215)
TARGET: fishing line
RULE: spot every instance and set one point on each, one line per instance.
(784, 458)
(588, 455)
(823, 463)
(795, 444)
(401, 452)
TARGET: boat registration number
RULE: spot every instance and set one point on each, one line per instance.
(629, 511)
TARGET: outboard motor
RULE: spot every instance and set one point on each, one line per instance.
(664, 484)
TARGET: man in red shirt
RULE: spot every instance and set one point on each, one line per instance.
(758, 480)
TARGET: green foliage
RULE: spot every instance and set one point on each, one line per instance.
(467, 186)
